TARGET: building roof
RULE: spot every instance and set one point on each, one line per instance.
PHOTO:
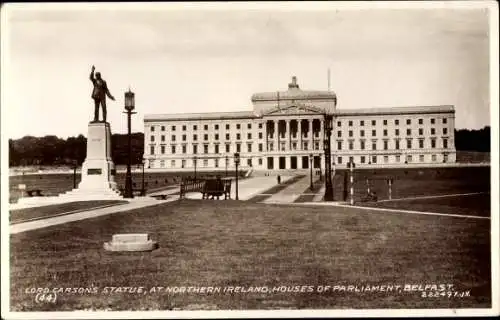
(200, 116)
(396, 110)
(294, 93)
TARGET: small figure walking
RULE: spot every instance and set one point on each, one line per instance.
(279, 179)
(99, 94)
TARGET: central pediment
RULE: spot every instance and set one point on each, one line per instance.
(293, 109)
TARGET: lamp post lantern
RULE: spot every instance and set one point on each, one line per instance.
(311, 170)
(236, 163)
(328, 156)
(129, 107)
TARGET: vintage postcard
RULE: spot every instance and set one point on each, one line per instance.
(253, 159)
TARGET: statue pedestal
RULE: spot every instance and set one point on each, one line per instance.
(98, 169)
(98, 172)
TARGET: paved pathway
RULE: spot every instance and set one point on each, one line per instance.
(291, 192)
(136, 203)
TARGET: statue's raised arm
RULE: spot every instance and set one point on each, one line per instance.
(92, 74)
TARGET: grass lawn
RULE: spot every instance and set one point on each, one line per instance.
(20, 215)
(230, 243)
(472, 205)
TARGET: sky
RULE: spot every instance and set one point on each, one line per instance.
(212, 57)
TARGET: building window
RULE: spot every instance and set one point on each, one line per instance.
(162, 138)
(374, 145)
(195, 127)
(271, 146)
(152, 128)
(445, 120)
(316, 145)
(305, 145)
(260, 127)
(195, 149)
(374, 133)
(445, 157)
(162, 149)
(408, 143)
(421, 143)
(351, 145)
(409, 158)
(420, 131)
(433, 131)
(216, 126)
(216, 163)
(205, 148)
(216, 149)
(238, 126)
(228, 148)
(183, 163)
(173, 128)
(433, 120)
(339, 123)
(195, 137)
(408, 121)
(420, 121)
(408, 132)
(396, 132)
(261, 147)
(205, 127)
(445, 143)
(249, 162)
(396, 122)
(351, 159)
(339, 160)
(227, 136)
(249, 126)
(339, 145)
(294, 145)
(421, 158)
(397, 144)
(205, 137)
(385, 132)
(362, 133)
(433, 157)
(385, 122)
(398, 158)
(362, 159)
(249, 136)
(350, 133)
(173, 138)
(162, 163)
(183, 137)
(227, 126)
(339, 134)
(238, 147)
(249, 147)
(362, 145)
(386, 145)
(183, 128)
(260, 135)
(216, 136)
(260, 161)
(282, 145)
(238, 136)
(445, 130)
(162, 128)
(374, 159)
(350, 123)
(172, 163)
(153, 138)
(184, 149)
(374, 122)
(433, 143)
(173, 149)
(361, 122)
(205, 162)
(386, 159)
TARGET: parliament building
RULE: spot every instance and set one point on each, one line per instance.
(285, 131)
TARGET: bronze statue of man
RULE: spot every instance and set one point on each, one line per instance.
(99, 94)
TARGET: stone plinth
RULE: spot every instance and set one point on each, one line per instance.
(131, 242)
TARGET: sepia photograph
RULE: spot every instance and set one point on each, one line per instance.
(249, 159)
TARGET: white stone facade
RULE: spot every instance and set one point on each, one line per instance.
(414, 135)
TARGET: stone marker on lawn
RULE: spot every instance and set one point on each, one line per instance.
(131, 242)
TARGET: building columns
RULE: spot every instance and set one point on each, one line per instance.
(288, 134)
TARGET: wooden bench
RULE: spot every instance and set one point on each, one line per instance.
(216, 188)
(34, 193)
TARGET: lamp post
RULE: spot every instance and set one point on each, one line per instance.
(129, 106)
(195, 160)
(75, 165)
(236, 163)
(227, 160)
(328, 156)
(311, 170)
(143, 190)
